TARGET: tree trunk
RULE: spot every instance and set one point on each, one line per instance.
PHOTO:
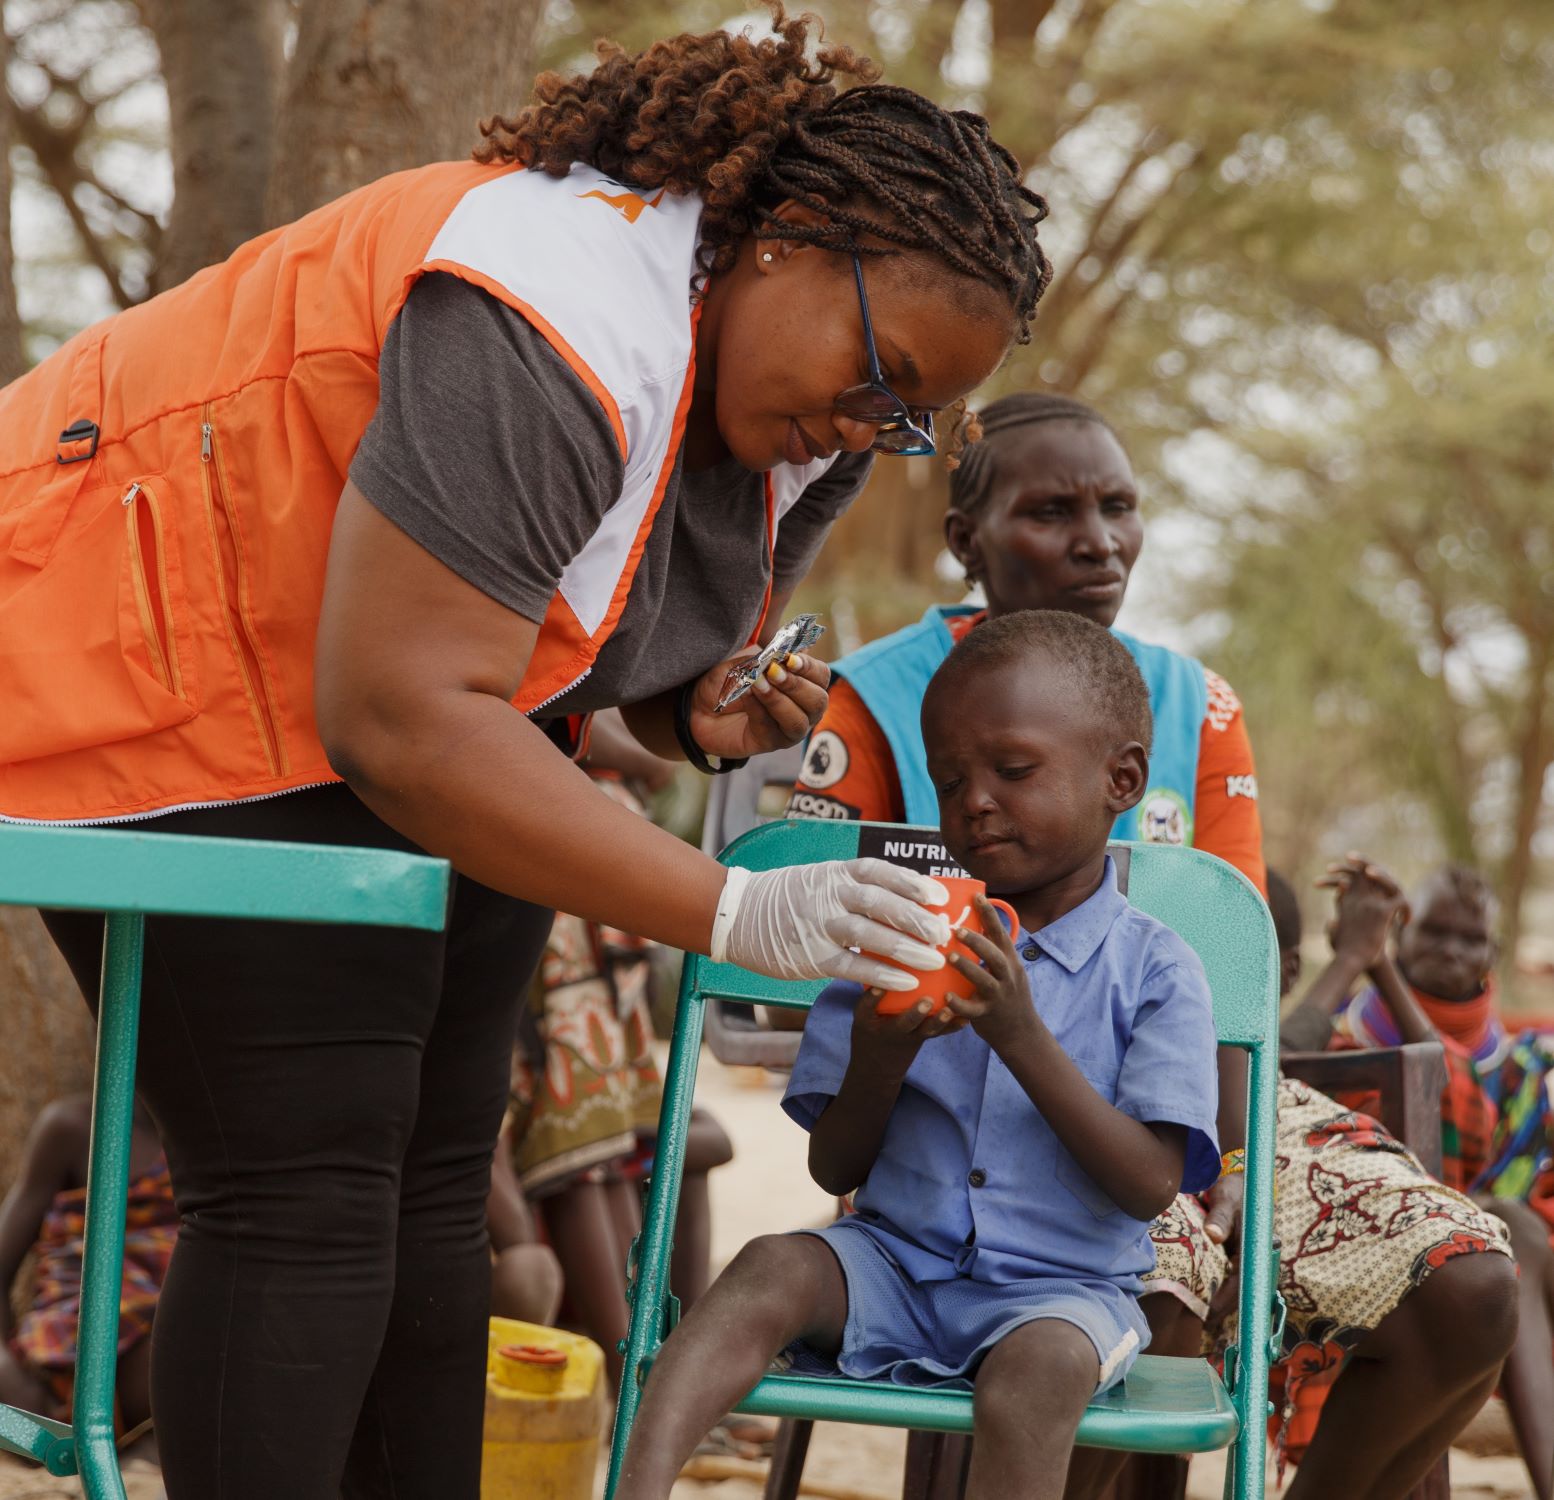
(1534, 756)
(222, 62)
(47, 1049)
(12, 361)
(376, 86)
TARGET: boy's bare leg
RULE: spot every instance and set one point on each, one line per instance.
(1031, 1391)
(1529, 1368)
(777, 1289)
(526, 1284)
(23, 1388)
(1174, 1329)
(583, 1230)
(1413, 1383)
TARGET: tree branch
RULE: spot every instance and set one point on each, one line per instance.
(54, 149)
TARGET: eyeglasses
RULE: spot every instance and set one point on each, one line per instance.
(902, 430)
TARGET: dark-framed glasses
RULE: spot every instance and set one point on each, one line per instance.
(902, 430)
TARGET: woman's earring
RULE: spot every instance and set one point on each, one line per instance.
(766, 255)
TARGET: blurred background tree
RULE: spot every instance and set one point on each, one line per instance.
(1303, 263)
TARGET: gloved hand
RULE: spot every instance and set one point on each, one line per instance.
(801, 922)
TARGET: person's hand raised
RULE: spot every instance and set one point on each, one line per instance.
(1368, 903)
(999, 1008)
(780, 710)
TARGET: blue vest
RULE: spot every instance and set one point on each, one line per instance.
(891, 675)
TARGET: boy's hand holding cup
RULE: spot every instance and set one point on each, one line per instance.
(999, 1007)
(890, 1033)
(946, 999)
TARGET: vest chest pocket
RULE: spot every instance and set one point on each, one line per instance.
(96, 645)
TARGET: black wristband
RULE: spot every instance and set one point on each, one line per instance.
(708, 765)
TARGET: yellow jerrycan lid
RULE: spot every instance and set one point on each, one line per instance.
(529, 1367)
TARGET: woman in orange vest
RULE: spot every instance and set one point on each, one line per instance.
(559, 428)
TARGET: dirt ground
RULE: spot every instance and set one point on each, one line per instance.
(767, 1190)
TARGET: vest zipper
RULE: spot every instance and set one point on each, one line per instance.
(158, 812)
(240, 631)
(529, 713)
(148, 573)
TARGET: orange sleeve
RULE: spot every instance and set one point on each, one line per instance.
(849, 771)
(1227, 819)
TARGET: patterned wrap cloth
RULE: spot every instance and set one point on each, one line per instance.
(1497, 1112)
(45, 1336)
(1361, 1225)
(1520, 1158)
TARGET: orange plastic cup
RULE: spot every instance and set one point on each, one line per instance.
(942, 983)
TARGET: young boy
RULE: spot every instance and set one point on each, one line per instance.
(1008, 1153)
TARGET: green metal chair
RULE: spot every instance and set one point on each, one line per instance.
(1165, 1405)
(128, 876)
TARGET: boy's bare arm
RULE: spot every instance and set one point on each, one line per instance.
(1137, 1165)
(508, 1219)
(847, 1136)
(49, 1165)
(1413, 1024)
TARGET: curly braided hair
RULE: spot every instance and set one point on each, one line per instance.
(971, 482)
(748, 123)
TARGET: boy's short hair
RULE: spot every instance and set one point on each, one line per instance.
(1285, 906)
(1100, 667)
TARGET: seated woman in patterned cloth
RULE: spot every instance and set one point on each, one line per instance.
(1044, 514)
(1495, 1112)
(45, 1213)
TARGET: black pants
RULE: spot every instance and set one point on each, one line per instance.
(329, 1098)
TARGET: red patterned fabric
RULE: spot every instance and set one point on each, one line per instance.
(46, 1333)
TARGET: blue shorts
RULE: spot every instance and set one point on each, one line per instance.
(938, 1332)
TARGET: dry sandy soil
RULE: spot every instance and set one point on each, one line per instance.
(767, 1190)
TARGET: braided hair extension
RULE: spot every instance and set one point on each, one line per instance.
(749, 123)
(971, 482)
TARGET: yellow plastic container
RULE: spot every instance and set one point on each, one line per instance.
(545, 1404)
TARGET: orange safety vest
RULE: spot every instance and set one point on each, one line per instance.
(168, 479)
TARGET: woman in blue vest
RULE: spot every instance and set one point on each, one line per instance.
(1044, 514)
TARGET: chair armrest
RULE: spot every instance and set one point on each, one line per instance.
(1409, 1080)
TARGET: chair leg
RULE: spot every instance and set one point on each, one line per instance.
(787, 1468)
(936, 1465)
(652, 1303)
(113, 1105)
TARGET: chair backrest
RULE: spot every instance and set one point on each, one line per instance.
(1207, 902)
(96, 869)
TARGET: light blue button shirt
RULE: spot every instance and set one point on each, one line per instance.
(970, 1179)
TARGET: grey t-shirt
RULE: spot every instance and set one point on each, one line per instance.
(489, 451)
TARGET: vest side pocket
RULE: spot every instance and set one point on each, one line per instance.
(96, 646)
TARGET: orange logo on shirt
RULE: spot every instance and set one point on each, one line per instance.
(628, 205)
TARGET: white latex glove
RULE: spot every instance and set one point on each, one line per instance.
(804, 921)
